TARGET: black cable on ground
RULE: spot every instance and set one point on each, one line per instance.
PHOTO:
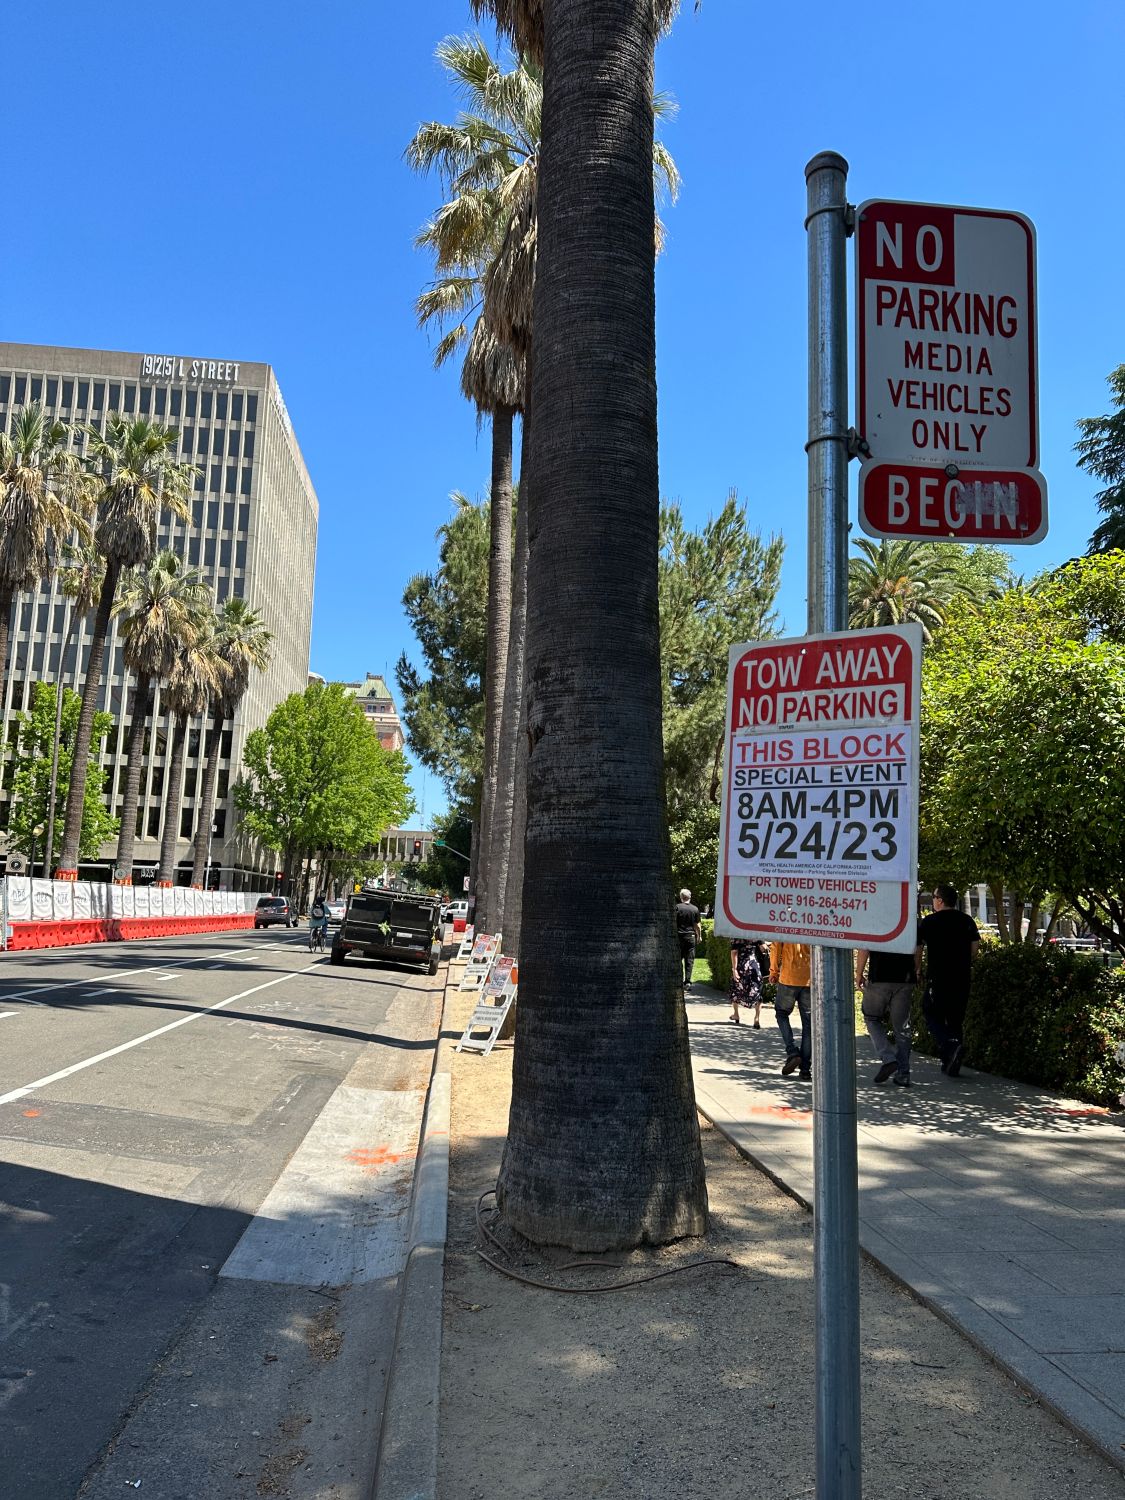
(575, 1265)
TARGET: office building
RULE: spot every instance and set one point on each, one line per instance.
(252, 534)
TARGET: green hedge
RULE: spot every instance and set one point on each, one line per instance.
(1045, 1016)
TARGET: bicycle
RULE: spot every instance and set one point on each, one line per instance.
(316, 936)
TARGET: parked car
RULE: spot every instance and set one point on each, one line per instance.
(457, 911)
(272, 910)
(392, 927)
(336, 910)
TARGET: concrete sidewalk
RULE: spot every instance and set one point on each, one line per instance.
(1001, 1206)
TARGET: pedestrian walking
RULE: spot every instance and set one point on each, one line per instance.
(887, 981)
(951, 940)
(689, 933)
(790, 970)
(745, 978)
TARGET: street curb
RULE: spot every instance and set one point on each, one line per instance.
(407, 1455)
(895, 1266)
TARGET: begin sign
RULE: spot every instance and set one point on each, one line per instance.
(819, 821)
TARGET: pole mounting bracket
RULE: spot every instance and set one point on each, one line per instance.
(858, 447)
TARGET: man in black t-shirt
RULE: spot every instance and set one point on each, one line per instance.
(951, 941)
(688, 931)
(887, 981)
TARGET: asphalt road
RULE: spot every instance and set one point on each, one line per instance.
(151, 1096)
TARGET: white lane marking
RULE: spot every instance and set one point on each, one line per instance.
(163, 978)
(95, 993)
(4, 1014)
(71, 984)
(339, 1213)
(41, 1083)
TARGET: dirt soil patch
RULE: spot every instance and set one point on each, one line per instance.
(702, 1384)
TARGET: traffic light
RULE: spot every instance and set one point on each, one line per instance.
(417, 848)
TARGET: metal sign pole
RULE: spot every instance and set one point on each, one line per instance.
(836, 1186)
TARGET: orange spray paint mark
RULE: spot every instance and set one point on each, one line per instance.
(783, 1112)
(31, 1114)
(373, 1158)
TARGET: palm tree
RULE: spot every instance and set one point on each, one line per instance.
(487, 160)
(138, 476)
(81, 575)
(191, 682)
(241, 645)
(160, 607)
(603, 1144)
(43, 502)
(896, 582)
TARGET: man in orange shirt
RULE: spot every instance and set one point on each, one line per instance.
(790, 971)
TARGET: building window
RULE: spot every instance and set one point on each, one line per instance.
(225, 744)
(206, 402)
(217, 442)
(36, 388)
(177, 399)
(232, 444)
(220, 821)
(224, 553)
(153, 821)
(192, 403)
(185, 822)
(146, 399)
(212, 514)
(221, 406)
(232, 478)
(236, 407)
(201, 440)
(21, 389)
(216, 483)
(252, 407)
(187, 437)
(52, 393)
(5, 387)
(209, 552)
(99, 395)
(244, 487)
(114, 396)
(130, 397)
(244, 519)
(248, 446)
(190, 778)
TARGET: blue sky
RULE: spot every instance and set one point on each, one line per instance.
(228, 179)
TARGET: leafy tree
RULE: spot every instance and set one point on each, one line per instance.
(136, 475)
(1023, 744)
(603, 1142)
(31, 773)
(240, 646)
(444, 710)
(161, 607)
(444, 871)
(1101, 452)
(717, 586)
(318, 781)
(43, 500)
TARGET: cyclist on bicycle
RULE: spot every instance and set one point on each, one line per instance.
(318, 921)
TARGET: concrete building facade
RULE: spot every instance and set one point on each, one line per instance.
(252, 534)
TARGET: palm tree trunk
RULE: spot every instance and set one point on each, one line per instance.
(504, 834)
(499, 619)
(126, 842)
(173, 798)
(76, 796)
(207, 800)
(6, 599)
(603, 1143)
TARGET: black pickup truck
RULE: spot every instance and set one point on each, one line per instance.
(390, 926)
